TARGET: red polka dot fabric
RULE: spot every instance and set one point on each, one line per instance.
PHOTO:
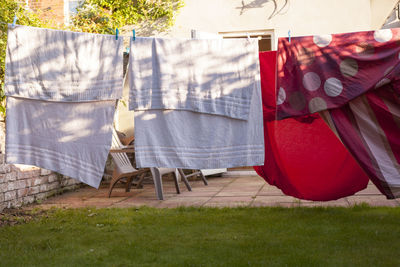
(353, 78)
(316, 73)
(303, 157)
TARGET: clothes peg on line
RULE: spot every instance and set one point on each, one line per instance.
(116, 33)
(134, 35)
(15, 20)
(289, 36)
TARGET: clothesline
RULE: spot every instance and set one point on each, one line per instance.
(197, 102)
(223, 91)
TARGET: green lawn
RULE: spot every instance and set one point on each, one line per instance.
(358, 236)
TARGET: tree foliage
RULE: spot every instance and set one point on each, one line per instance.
(103, 16)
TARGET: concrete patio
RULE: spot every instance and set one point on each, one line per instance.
(232, 191)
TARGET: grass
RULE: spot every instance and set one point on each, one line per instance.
(358, 236)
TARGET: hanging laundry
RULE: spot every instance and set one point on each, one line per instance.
(303, 157)
(61, 88)
(369, 127)
(353, 79)
(207, 76)
(197, 103)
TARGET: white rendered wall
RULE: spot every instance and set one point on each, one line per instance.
(301, 17)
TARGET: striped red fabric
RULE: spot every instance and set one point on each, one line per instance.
(369, 126)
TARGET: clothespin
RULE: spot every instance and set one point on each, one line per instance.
(248, 36)
(289, 35)
(15, 20)
(134, 35)
(116, 33)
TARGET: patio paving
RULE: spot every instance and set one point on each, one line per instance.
(234, 191)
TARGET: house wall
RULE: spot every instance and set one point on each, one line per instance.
(301, 17)
(51, 9)
(393, 20)
(380, 10)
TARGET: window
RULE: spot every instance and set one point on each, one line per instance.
(70, 7)
(265, 37)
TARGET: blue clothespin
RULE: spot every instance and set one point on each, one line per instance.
(14, 21)
(134, 35)
(289, 35)
(116, 33)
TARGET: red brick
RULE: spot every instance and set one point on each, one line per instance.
(11, 186)
(20, 184)
(11, 195)
(12, 176)
(34, 190)
(22, 192)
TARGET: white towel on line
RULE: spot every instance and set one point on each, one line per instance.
(73, 139)
(192, 140)
(59, 65)
(61, 88)
(214, 76)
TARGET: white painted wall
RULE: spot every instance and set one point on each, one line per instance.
(301, 17)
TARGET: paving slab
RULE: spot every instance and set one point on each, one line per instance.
(236, 201)
(235, 191)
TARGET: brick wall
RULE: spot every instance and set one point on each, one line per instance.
(22, 184)
(51, 9)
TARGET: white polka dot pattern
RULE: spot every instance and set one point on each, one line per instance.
(382, 36)
(327, 71)
(349, 67)
(311, 81)
(281, 96)
(333, 87)
(322, 40)
(317, 104)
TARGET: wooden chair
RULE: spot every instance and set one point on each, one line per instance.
(122, 165)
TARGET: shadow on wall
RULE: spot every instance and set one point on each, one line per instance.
(260, 4)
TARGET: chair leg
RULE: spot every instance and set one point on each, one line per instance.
(115, 178)
(203, 178)
(185, 180)
(178, 190)
(139, 183)
(128, 184)
(157, 183)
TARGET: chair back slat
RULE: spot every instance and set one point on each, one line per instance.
(121, 159)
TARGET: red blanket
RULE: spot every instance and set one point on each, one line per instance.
(303, 157)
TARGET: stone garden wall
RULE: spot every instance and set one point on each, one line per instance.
(22, 184)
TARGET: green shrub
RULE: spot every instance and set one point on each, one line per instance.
(103, 16)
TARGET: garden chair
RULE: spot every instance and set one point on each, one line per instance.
(122, 165)
(194, 173)
(157, 174)
(123, 168)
